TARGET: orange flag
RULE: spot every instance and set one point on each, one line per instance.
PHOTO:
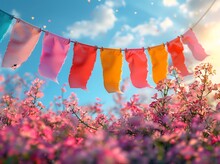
(175, 48)
(23, 40)
(111, 60)
(159, 60)
(138, 67)
(83, 64)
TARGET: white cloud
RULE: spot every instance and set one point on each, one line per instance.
(193, 5)
(153, 27)
(16, 13)
(170, 3)
(166, 24)
(196, 8)
(117, 3)
(149, 28)
(137, 34)
(183, 8)
(122, 41)
(102, 21)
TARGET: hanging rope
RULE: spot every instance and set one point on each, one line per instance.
(205, 13)
(192, 27)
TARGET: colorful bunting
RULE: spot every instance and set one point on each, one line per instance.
(189, 38)
(54, 53)
(111, 60)
(5, 22)
(24, 38)
(83, 63)
(175, 48)
(159, 60)
(138, 67)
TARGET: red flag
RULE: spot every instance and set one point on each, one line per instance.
(175, 48)
(83, 64)
(138, 67)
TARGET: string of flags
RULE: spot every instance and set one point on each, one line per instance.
(25, 36)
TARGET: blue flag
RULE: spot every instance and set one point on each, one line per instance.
(5, 21)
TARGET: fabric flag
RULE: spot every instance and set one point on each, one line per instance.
(191, 41)
(5, 22)
(159, 60)
(138, 67)
(83, 64)
(111, 60)
(175, 48)
(23, 40)
(54, 53)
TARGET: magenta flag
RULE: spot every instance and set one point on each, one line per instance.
(54, 53)
(83, 64)
(175, 48)
(189, 38)
(138, 67)
(23, 40)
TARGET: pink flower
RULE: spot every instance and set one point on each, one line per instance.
(40, 95)
(63, 90)
(2, 78)
(70, 142)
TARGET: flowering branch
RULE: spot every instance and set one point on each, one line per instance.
(80, 120)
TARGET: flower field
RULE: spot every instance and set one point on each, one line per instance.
(180, 125)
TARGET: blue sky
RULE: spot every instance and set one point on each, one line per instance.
(108, 23)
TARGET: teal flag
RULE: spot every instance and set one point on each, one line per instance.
(5, 21)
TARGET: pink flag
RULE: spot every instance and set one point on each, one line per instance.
(175, 48)
(191, 41)
(23, 40)
(54, 53)
(138, 67)
(83, 63)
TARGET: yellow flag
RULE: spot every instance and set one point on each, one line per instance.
(111, 60)
(159, 60)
